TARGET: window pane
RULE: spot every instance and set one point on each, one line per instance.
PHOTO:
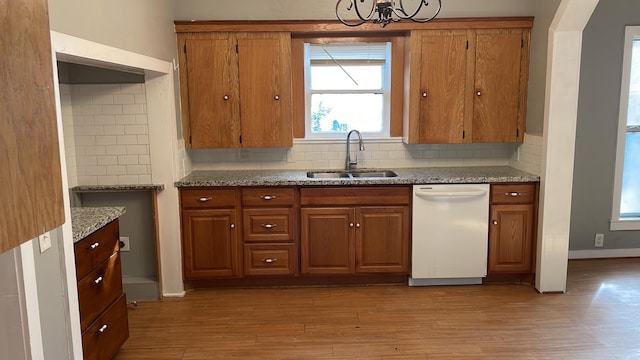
(332, 77)
(630, 202)
(343, 112)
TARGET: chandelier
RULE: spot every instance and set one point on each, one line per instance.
(383, 12)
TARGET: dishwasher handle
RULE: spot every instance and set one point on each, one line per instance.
(450, 193)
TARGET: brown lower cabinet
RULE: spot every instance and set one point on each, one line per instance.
(103, 306)
(512, 228)
(368, 234)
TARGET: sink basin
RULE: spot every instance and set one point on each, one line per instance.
(374, 174)
(351, 174)
(327, 174)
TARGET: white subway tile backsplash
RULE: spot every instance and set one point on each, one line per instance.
(144, 179)
(114, 130)
(107, 126)
(124, 99)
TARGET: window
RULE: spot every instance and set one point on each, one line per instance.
(347, 86)
(626, 208)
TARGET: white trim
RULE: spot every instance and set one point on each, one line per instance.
(624, 224)
(175, 295)
(603, 254)
(343, 139)
(631, 33)
(560, 119)
(31, 301)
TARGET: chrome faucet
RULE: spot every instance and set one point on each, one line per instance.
(350, 162)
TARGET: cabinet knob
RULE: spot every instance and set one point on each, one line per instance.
(233, 226)
(479, 93)
(267, 197)
(269, 261)
(226, 97)
(94, 245)
(514, 194)
(277, 97)
(268, 226)
(424, 94)
(98, 280)
(350, 224)
(102, 329)
(495, 222)
(357, 225)
(204, 199)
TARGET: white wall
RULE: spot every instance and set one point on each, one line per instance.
(325, 9)
(13, 340)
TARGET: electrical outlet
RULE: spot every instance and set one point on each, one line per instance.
(45, 242)
(599, 240)
(124, 243)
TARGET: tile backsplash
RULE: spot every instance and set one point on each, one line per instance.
(106, 134)
(390, 153)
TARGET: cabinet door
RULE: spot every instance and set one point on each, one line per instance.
(213, 94)
(438, 100)
(510, 238)
(210, 243)
(501, 68)
(264, 61)
(382, 239)
(327, 245)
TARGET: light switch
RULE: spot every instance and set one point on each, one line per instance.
(45, 242)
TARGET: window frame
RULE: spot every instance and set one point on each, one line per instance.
(632, 33)
(385, 91)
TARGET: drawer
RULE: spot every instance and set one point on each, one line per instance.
(273, 259)
(268, 196)
(513, 193)
(208, 198)
(96, 248)
(99, 289)
(102, 339)
(268, 224)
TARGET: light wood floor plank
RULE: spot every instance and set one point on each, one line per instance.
(598, 318)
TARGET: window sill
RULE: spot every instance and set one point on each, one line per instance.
(389, 140)
(626, 224)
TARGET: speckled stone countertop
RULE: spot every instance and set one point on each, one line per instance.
(86, 220)
(406, 176)
(107, 188)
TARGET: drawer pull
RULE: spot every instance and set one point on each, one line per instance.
(269, 261)
(94, 245)
(233, 226)
(98, 280)
(204, 199)
(495, 222)
(102, 329)
(268, 226)
(267, 197)
(514, 194)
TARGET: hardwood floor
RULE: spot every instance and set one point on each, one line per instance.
(598, 318)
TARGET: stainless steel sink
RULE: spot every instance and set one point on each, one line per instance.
(373, 174)
(327, 174)
(351, 174)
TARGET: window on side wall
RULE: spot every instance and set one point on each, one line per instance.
(626, 207)
(347, 86)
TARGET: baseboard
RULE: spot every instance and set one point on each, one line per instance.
(604, 253)
(174, 295)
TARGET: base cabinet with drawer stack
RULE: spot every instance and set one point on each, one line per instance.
(355, 230)
(269, 231)
(210, 237)
(103, 307)
(512, 227)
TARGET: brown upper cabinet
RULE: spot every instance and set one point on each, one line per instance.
(466, 86)
(236, 89)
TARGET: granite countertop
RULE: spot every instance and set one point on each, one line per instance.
(86, 220)
(406, 176)
(113, 188)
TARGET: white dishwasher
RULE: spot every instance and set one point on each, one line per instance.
(450, 232)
